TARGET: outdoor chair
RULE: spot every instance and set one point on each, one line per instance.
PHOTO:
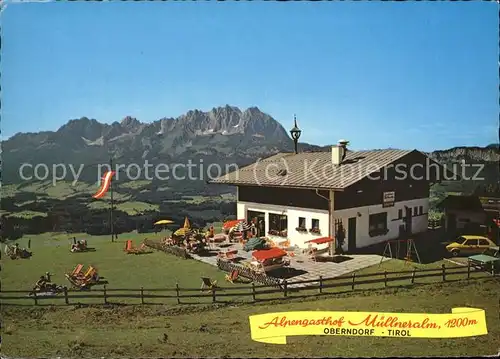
(229, 255)
(89, 273)
(129, 246)
(313, 254)
(232, 276)
(77, 270)
(284, 244)
(208, 284)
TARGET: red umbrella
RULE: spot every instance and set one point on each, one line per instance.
(231, 224)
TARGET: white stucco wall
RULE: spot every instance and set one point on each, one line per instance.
(295, 237)
(419, 222)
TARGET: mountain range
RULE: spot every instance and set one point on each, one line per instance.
(224, 135)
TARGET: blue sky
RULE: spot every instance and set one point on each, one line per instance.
(407, 75)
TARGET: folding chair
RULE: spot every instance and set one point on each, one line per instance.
(313, 254)
(208, 284)
(232, 276)
(77, 270)
(129, 246)
(89, 273)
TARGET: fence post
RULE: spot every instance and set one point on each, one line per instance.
(177, 293)
(468, 269)
(66, 299)
(142, 295)
(285, 285)
(413, 276)
(29, 245)
(353, 280)
(443, 267)
(253, 291)
(213, 295)
(385, 278)
(105, 295)
(35, 298)
(320, 284)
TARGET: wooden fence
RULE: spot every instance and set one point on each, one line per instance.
(175, 250)
(217, 294)
(250, 274)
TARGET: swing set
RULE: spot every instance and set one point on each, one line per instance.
(410, 252)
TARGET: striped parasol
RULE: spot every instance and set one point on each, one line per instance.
(231, 224)
(242, 227)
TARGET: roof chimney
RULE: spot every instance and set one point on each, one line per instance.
(339, 152)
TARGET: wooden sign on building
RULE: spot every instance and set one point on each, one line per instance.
(388, 199)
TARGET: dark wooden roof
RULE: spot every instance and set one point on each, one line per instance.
(461, 203)
(296, 170)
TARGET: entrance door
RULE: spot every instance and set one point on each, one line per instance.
(259, 218)
(351, 234)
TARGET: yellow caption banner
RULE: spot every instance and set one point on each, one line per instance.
(273, 328)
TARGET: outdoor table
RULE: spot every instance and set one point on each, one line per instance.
(230, 254)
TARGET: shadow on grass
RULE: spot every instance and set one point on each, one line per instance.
(89, 249)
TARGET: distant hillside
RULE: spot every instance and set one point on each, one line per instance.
(224, 135)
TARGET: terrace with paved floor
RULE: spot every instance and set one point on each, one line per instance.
(302, 267)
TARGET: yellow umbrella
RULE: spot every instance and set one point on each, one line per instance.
(182, 231)
(164, 221)
(186, 223)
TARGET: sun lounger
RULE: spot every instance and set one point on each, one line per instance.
(208, 284)
(232, 276)
(89, 273)
(129, 246)
(77, 270)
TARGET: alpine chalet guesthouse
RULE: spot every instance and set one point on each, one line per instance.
(373, 196)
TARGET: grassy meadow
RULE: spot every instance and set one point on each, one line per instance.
(223, 331)
(158, 270)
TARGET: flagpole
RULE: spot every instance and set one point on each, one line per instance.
(112, 203)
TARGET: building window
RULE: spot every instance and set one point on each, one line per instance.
(415, 211)
(302, 225)
(314, 226)
(421, 210)
(278, 224)
(400, 213)
(378, 224)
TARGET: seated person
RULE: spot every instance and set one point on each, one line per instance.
(16, 250)
(95, 277)
(41, 283)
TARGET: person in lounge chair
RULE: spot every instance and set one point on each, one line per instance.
(41, 283)
(17, 251)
